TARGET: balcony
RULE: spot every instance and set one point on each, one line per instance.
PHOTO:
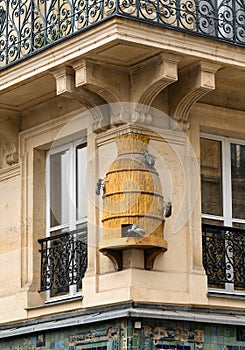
(63, 263)
(29, 26)
(224, 258)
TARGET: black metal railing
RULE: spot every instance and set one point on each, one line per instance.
(224, 256)
(27, 26)
(63, 261)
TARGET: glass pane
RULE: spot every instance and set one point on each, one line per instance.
(238, 181)
(211, 177)
(59, 188)
(81, 190)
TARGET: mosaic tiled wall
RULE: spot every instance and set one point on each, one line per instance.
(132, 335)
(192, 336)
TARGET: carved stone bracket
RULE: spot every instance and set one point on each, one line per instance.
(65, 86)
(111, 84)
(150, 78)
(87, 83)
(150, 256)
(115, 256)
(194, 82)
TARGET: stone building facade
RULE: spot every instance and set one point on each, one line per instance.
(137, 246)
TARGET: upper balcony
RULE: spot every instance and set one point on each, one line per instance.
(29, 26)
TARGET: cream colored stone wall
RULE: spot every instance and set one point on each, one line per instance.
(10, 235)
(11, 299)
(177, 277)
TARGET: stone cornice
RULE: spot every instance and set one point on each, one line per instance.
(128, 310)
(155, 134)
(122, 30)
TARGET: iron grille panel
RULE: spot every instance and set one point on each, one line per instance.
(224, 256)
(63, 261)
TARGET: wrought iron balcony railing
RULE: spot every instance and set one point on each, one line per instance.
(27, 26)
(63, 262)
(224, 257)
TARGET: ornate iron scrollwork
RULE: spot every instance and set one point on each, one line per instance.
(63, 260)
(224, 256)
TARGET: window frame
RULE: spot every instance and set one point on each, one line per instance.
(73, 222)
(226, 219)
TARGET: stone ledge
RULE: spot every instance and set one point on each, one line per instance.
(127, 310)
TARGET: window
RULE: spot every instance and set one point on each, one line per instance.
(223, 212)
(64, 251)
(223, 181)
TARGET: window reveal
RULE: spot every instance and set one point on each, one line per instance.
(65, 245)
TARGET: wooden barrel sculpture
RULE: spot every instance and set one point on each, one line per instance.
(133, 200)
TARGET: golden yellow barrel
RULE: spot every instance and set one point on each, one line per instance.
(133, 200)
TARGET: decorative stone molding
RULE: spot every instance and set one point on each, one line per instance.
(175, 334)
(155, 134)
(106, 334)
(159, 332)
(8, 173)
(12, 158)
(181, 334)
(153, 76)
(199, 338)
(135, 116)
(10, 152)
(8, 111)
(194, 82)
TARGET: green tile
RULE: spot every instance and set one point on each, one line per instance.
(220, 331)
(207, 347)
(227, 331)
(213, 331)
(220, 340)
